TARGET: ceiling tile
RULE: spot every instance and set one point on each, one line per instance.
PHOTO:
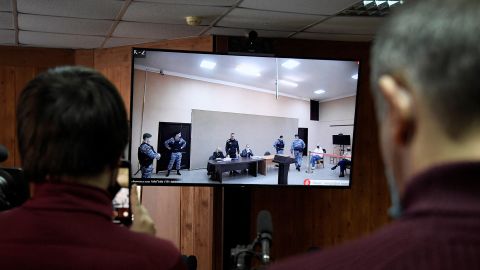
(323, 7)
(348, 25)
(218, 3)
(244, 32)
(117, 42)
(155, 31)
(170, 13)
(267, 20)
(6, 20)
(92, 9)
(6, 5)
(336, 37)
(7, 37)
(52, 40)
(63, 25)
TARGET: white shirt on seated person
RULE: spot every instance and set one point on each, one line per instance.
(318, 151)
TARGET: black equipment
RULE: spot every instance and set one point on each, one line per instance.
(14, 189)
(242, 255)
(284, 164)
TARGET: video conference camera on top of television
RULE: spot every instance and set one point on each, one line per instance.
(14, 190)
(242, 255)
(251, 45)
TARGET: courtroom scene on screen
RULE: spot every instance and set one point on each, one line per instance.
(211, 119)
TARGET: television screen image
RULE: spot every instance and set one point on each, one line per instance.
(240, 120)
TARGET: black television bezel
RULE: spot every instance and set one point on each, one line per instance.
(222, 185)
(344, 136)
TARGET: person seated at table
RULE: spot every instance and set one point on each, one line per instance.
(217, 154)
(247, 152)
(344, 162)
(316, 155)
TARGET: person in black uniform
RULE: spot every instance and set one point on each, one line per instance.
(232, 149)
(146, 155)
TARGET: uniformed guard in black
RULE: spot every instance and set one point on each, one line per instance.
(231, 147)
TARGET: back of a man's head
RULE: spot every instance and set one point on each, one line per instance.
(433, 47)
(71, 121)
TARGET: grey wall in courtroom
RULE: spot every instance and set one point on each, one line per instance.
(211, 129)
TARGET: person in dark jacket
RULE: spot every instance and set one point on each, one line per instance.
(425, 65)
(146, 155)
(279, 145)
(67, 224)
(232, 149)
(218, 154)
(247, 152)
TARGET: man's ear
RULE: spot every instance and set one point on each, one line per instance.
(400, 108)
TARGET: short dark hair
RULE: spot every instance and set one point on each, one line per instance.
(71, 121)
(146, 135)
(434, 45)
(281, 136)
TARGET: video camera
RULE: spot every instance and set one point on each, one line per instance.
(14, 189)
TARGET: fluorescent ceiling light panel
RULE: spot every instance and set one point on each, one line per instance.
(319, 92)
(290, 64)
(355, 76)
(289, 83)
(366, 3)
(208, 64)
(248, 70)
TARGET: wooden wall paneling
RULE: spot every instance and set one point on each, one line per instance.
(85, 58)
(7, 113)
(163, 204)
(187, 220)
(35, 57)
(196, 224)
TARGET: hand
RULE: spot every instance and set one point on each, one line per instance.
(142, 222)
(158, 156)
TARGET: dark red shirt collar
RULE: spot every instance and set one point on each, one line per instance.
(449, 189)
(71, 197)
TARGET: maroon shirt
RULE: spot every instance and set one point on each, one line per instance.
(69, 226)
(439, 228)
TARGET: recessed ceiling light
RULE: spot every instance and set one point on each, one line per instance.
(319, 92)
(355, 76)
(290, 64)
(248, 70)
(208, 64)
(289, 83)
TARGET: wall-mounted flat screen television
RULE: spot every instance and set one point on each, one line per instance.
(341, 139)
(239, 119)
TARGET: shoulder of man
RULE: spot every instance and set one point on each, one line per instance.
(162, 254)
(374, 250)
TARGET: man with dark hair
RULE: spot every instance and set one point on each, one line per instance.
(67, 224)
(425, 67)
(146, 155)
(175, 145)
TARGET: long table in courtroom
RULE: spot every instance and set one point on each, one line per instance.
(221, 166)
